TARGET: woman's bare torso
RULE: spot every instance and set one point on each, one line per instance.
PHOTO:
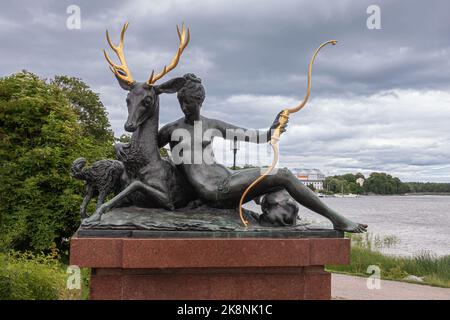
(191, 146)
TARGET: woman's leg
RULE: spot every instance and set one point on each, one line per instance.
(283, 178)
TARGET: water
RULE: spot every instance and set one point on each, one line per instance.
(421, 223)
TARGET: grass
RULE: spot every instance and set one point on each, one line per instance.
(365, 252)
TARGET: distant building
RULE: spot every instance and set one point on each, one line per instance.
(310, 177)
(360, 181)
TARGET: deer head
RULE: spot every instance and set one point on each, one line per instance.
(143, 97)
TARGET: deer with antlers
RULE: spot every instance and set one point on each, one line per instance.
(153, 181)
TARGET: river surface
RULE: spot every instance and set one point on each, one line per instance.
(420, 223)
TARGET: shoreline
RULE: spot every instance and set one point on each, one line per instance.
(428, 269)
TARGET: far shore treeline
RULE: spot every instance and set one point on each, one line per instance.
(380, 183)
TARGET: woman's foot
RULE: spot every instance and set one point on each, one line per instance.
(350, 226)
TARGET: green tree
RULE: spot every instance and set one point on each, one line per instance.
(382, 183)
(349, 177)
(425, 187)
(86, 103)
(335, 184)
(355, 188)
(41, 133)
(338, 184)
(344, 183)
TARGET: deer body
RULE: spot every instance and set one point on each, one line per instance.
(143, 162)
(153, 181)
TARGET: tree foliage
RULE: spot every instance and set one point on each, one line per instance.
(382, 183)
(41, 133)
(345, 183)
(425, 187)
(88, 107)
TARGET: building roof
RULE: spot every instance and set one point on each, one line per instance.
(305, 171)
(308, 174)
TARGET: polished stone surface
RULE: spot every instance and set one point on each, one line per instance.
(214, 253)
(137, 253)
(201, 222)
(305, 283)
(209, 268)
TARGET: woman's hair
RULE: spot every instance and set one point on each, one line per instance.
(192, 90)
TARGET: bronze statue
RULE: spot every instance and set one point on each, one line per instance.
(154, 182)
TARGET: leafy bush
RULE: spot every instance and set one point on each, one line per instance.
(25, 276)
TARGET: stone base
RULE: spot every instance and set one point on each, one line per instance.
(209, 268)
(211, 283)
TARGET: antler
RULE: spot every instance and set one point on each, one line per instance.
(120, 71)
(184, 40)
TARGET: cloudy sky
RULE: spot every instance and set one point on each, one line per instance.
(380, 99)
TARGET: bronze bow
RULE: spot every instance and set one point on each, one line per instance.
(284, 116)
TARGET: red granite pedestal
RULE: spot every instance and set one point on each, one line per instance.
(209, 268)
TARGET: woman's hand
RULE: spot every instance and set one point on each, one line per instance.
(120, 152)
(276, 123)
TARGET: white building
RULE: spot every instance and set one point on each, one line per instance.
(310, 177)
(360, 181)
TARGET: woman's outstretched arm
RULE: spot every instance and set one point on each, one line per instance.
(230, 131)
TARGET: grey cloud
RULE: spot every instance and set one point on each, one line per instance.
(253, 55)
